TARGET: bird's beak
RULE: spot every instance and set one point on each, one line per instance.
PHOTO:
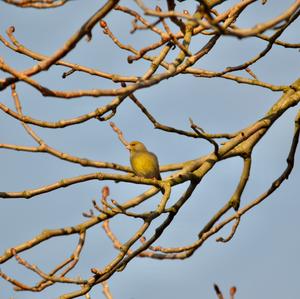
(128, 147)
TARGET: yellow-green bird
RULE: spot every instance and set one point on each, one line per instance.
(143, 162)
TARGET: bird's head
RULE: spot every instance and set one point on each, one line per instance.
(136, 146)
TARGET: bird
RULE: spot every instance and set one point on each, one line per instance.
(144, 163)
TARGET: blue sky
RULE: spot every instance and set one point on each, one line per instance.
(263, 257)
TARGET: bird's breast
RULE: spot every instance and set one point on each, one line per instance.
(145, 164)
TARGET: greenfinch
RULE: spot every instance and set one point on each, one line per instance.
(143, 163)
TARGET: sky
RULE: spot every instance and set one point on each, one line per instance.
(262, 259)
